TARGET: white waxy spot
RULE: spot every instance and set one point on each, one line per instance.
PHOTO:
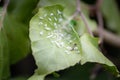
(70, 41)
(59, 12)
(49, 36)
(41, 17)
(62, 35)
(49, 19)
(55, 24)
(51, 14)
(45, 25)
(41, 33)
(55, 18)
(40, 23)
(69, 48)
(47, 28)
(58, 45)
(75, 48)
(60, 19)
(61, 44)
(67, 52)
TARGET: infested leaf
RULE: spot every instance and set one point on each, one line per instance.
(54, 45)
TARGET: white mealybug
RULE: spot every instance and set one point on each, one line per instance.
(67, 52)
(59, 12)
(40, 23)
(51, 14)
(41, 17)
(55, 18)
(49, 19)
(55, 24)
(47, 28)
(41, 33)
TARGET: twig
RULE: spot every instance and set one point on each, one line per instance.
(83, 17)
(100, 26)
(78, 11)
(100, 20)
(6, 2)
(109, 37)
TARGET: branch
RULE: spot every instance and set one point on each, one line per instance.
(100, 20)
(6, 2)
(109, 37)
(83, 17)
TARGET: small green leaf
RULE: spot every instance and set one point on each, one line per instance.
(90, 53)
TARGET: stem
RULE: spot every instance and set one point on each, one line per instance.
(100, 20)
(109, 37)
(83, 17)
(6, 2)
(100, 26)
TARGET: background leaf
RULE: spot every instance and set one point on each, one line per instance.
(4, 50)
(16, 25)
(4, 56)
(111, 13)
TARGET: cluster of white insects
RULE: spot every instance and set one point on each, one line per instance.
(56, 35)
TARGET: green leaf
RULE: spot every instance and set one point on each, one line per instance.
(18, 39)
(16, 24)
(112, 15)
(4, 56)
(4, 51)
(55, 44)
(90, 53)
(22, 10)
(70, 6)
(37, 77)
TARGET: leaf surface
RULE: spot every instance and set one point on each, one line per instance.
(90, 53)
(54, 44)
